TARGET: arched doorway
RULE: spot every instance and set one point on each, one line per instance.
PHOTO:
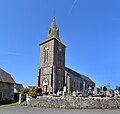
(45, 85)
(45, 88)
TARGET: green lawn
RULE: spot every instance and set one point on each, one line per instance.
(12, 104)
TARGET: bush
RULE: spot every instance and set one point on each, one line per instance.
(35, 91)
(24, 91)
(118, 88)
(39, 91)
(33, 94)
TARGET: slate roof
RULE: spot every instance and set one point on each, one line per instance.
(17, 87)
(72, 72)
(5, 77)
(86, 78)
(78, 74)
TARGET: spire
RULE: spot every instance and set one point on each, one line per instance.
(53, 30)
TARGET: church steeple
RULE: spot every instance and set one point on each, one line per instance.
(53, 31)
(52, 62)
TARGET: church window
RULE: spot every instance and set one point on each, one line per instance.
(74, 84)
(84, 85)
(77, 83)
(59, 56)
(59, 84)
(80, 86)
(46, 55)
(45, 81)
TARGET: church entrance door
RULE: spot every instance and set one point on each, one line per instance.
(45, 88)
(45, 85)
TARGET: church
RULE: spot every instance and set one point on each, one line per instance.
(53, 76)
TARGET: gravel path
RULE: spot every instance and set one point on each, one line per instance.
(36, 110)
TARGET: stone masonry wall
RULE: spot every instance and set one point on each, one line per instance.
(74, 102)
(7, 90)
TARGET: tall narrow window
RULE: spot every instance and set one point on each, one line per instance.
(46, 55)
(83, 85)
(59, 85)
(59, 56)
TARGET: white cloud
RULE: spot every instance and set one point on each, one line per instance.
(75, 1)
(9, 53)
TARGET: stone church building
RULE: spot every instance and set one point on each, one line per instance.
(53, 76)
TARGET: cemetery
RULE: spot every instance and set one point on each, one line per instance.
(91, 100)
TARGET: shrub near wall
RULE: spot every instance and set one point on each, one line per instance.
(33, 92)
(75, 102)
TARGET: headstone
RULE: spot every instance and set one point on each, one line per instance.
(77, 92)
(74, 94)
(65, 89)
(58, 93)
(50, 90)
(63, 93)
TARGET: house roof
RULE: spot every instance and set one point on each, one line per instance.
(78, 74)
(5, 77)
(86, 78)
(17, 87)
(72, 72)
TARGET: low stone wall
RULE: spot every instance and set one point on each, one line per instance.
(74, 102)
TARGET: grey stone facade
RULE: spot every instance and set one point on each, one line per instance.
(77, 82)
(75, 102)
(6, 86)
(7, 91)
(52, 74)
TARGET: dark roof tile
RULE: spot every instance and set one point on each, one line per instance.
(78, 74)
(5, 77)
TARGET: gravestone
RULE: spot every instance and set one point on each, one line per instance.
(74, 94)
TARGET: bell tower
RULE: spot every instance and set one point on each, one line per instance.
(51, 74)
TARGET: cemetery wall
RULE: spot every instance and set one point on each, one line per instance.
(74, 102)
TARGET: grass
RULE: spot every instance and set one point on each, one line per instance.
(9, 104)
(117, 96)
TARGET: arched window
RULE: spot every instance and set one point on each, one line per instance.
(59, 85)
(45, 54)
(59, 56)
(74, 84)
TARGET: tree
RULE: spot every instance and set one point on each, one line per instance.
(24, 91)
(104, 88)
(98, 90)
(118, 88)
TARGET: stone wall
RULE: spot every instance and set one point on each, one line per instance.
(7, 90)
(74, 102)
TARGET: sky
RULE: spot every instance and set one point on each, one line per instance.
(89, 28)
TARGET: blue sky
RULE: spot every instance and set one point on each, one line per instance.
(89, 28)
